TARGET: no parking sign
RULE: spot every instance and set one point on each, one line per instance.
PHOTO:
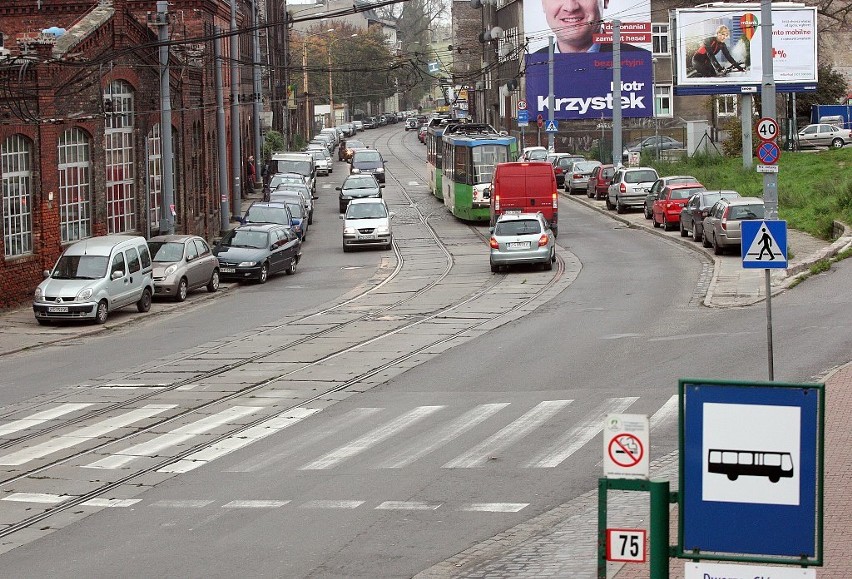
(626, 446)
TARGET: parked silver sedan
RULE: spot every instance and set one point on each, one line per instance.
(722, 225)
(824, 135)
(522, 238)
(182, 263)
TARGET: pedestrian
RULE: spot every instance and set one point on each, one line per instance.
(251, 173)
(264, 173)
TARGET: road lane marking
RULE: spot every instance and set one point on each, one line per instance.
(188, 504)
(111, 503)
(82, 435)
(577, 437)
(449, 432)
(372, 438)
(37, 498)
(494, 507)
(156, 445)
(254, 504)
(666, 412)
(326, 504)
(40, 418)
(480, 454)
(407, 506)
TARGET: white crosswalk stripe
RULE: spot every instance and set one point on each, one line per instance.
(40, 418)
(509, 435)
(576, 438)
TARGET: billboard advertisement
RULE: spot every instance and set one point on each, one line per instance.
(721, 48)
(582, 60)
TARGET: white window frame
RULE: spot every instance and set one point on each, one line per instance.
(75, 185)
(120, 159)
(660, 32)
(663, 91)
(16, 178)
(721, 103)
(155, 177)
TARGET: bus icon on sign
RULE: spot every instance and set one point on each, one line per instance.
(736, 463)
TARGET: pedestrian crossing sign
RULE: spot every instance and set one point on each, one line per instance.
(764, 244)
(551, 127)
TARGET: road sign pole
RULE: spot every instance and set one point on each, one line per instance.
(767, 99)
(769, 326)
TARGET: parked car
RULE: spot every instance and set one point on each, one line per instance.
(670, 200)
(267, 212)
(824, 135)
(182, 263)
(629, 186)
(522, 238)
(353, 145)
(722, 225)
(598, 183)
(299, 220)
(256, 251)
(658, 185)
(368, 161)
(359, 126)
(421, 134)
(371, 122)
(411, 124)
(534, 154)
(95, 276)
(367, 222)
(562, 162)
(578, 176)
(323, 161)
(697, 208)
(652, 145)
(300, 191)
(358, 187)
(301, 163)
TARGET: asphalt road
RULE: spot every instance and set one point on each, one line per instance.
(394, 475)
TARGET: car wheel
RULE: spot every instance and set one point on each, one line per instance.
(704, 241)
(837, 143)
(182, 290)
(213, 284)
(654, 220)
(696, 233)
(495, 268)
(346, 249)
(144, 303)
(608, 203)
(717, 249)
(102, 313)
(553, 256)
(589, 194)
(292, 269)
(619, 208)
(264, 273)
(342, 208)
(310, 218)
(683, 232)
(648, 214)
(548, 265)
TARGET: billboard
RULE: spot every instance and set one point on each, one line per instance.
(720, 49)
(582, 60)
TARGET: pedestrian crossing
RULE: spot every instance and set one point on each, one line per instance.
(448, 436)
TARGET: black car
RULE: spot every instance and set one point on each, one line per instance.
(358, 187)
(265, 212)
(256, 251)
(368, 161)
(697, 208)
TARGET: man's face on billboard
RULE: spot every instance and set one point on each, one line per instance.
(573, 22)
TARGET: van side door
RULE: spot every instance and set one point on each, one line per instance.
(136, 278)
(119, 281)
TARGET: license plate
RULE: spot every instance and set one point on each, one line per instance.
(58, 309)
(518, 245)
(227, 269)
(366, 237)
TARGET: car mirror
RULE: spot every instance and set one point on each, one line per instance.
(46, 273)
(341, 216)
(117, 274)
(381, 185)
(391, 215)
(490, 230)
(338, 188)
(241, 220)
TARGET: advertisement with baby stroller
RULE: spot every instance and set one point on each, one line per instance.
(723, 47)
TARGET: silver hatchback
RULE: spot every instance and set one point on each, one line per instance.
(722, 225)
(182, 263)
(629, 186)
(522, 238)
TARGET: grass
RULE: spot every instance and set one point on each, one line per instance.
(814, 187)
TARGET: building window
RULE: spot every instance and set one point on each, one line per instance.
(118, 147)
(660, 38)
(75, 186)
(726, 105)
(662, 100)
(16, 177)
(155, 177)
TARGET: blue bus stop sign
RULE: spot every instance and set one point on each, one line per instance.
(523, 116)
(751, 470)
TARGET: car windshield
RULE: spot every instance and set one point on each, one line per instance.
(288, 166)
(278, 179)
(685, 193)
(365, 182)
(245, 238)
(537, 155)
(366, 211)
(267, 215)
(291, 186)
(639, 176)
(165, 251)
(368, 156)
(585, 166)
(518, 227)
(318, 155)
(355, 145)
(80, 267)
(740, 212)
(285, 196)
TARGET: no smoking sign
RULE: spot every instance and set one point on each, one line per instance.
(626, 446)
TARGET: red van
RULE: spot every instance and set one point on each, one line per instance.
(527, 187)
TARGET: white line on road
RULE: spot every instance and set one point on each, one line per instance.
(320, 504)
(407, 506)
(480, 454)
(254, 504)
(37, 498)
(84, 434)
(494, 507)
(40, 418)
(111, 503)
(189, 504)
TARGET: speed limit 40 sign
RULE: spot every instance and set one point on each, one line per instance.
(625, 545)
(767, 129)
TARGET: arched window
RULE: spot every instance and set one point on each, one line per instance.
(17, 178)
(75, 185)
(118, 147)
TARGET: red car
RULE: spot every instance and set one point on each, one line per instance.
(421, 134)
(670, 200)
(598, 184)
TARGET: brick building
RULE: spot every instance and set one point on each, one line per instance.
(80, 149)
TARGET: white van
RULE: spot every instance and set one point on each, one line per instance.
(94, 277)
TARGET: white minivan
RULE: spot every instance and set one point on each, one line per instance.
(95, 276)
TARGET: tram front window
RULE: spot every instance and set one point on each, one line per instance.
(485, 158)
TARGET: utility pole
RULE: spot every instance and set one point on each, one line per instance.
(550, 99)
(236, 153)
(166, 159)
(330, 93)
(221, 141)
(616, 93)
(288, 137)
(255, 71)
(770, 180)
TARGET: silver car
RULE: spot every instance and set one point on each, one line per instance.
(629, 186)
(367, 222)
(578, 175)
(722, 225)
(824, 135)
(182, 263)
(522, 238)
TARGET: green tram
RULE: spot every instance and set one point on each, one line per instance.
(435, 152)
(471, 151)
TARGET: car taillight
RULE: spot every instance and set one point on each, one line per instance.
(622, 188)
(496, 203)
(578, 176)
(555, 196)
(493, 243)
(724, 222)
(542, 241)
